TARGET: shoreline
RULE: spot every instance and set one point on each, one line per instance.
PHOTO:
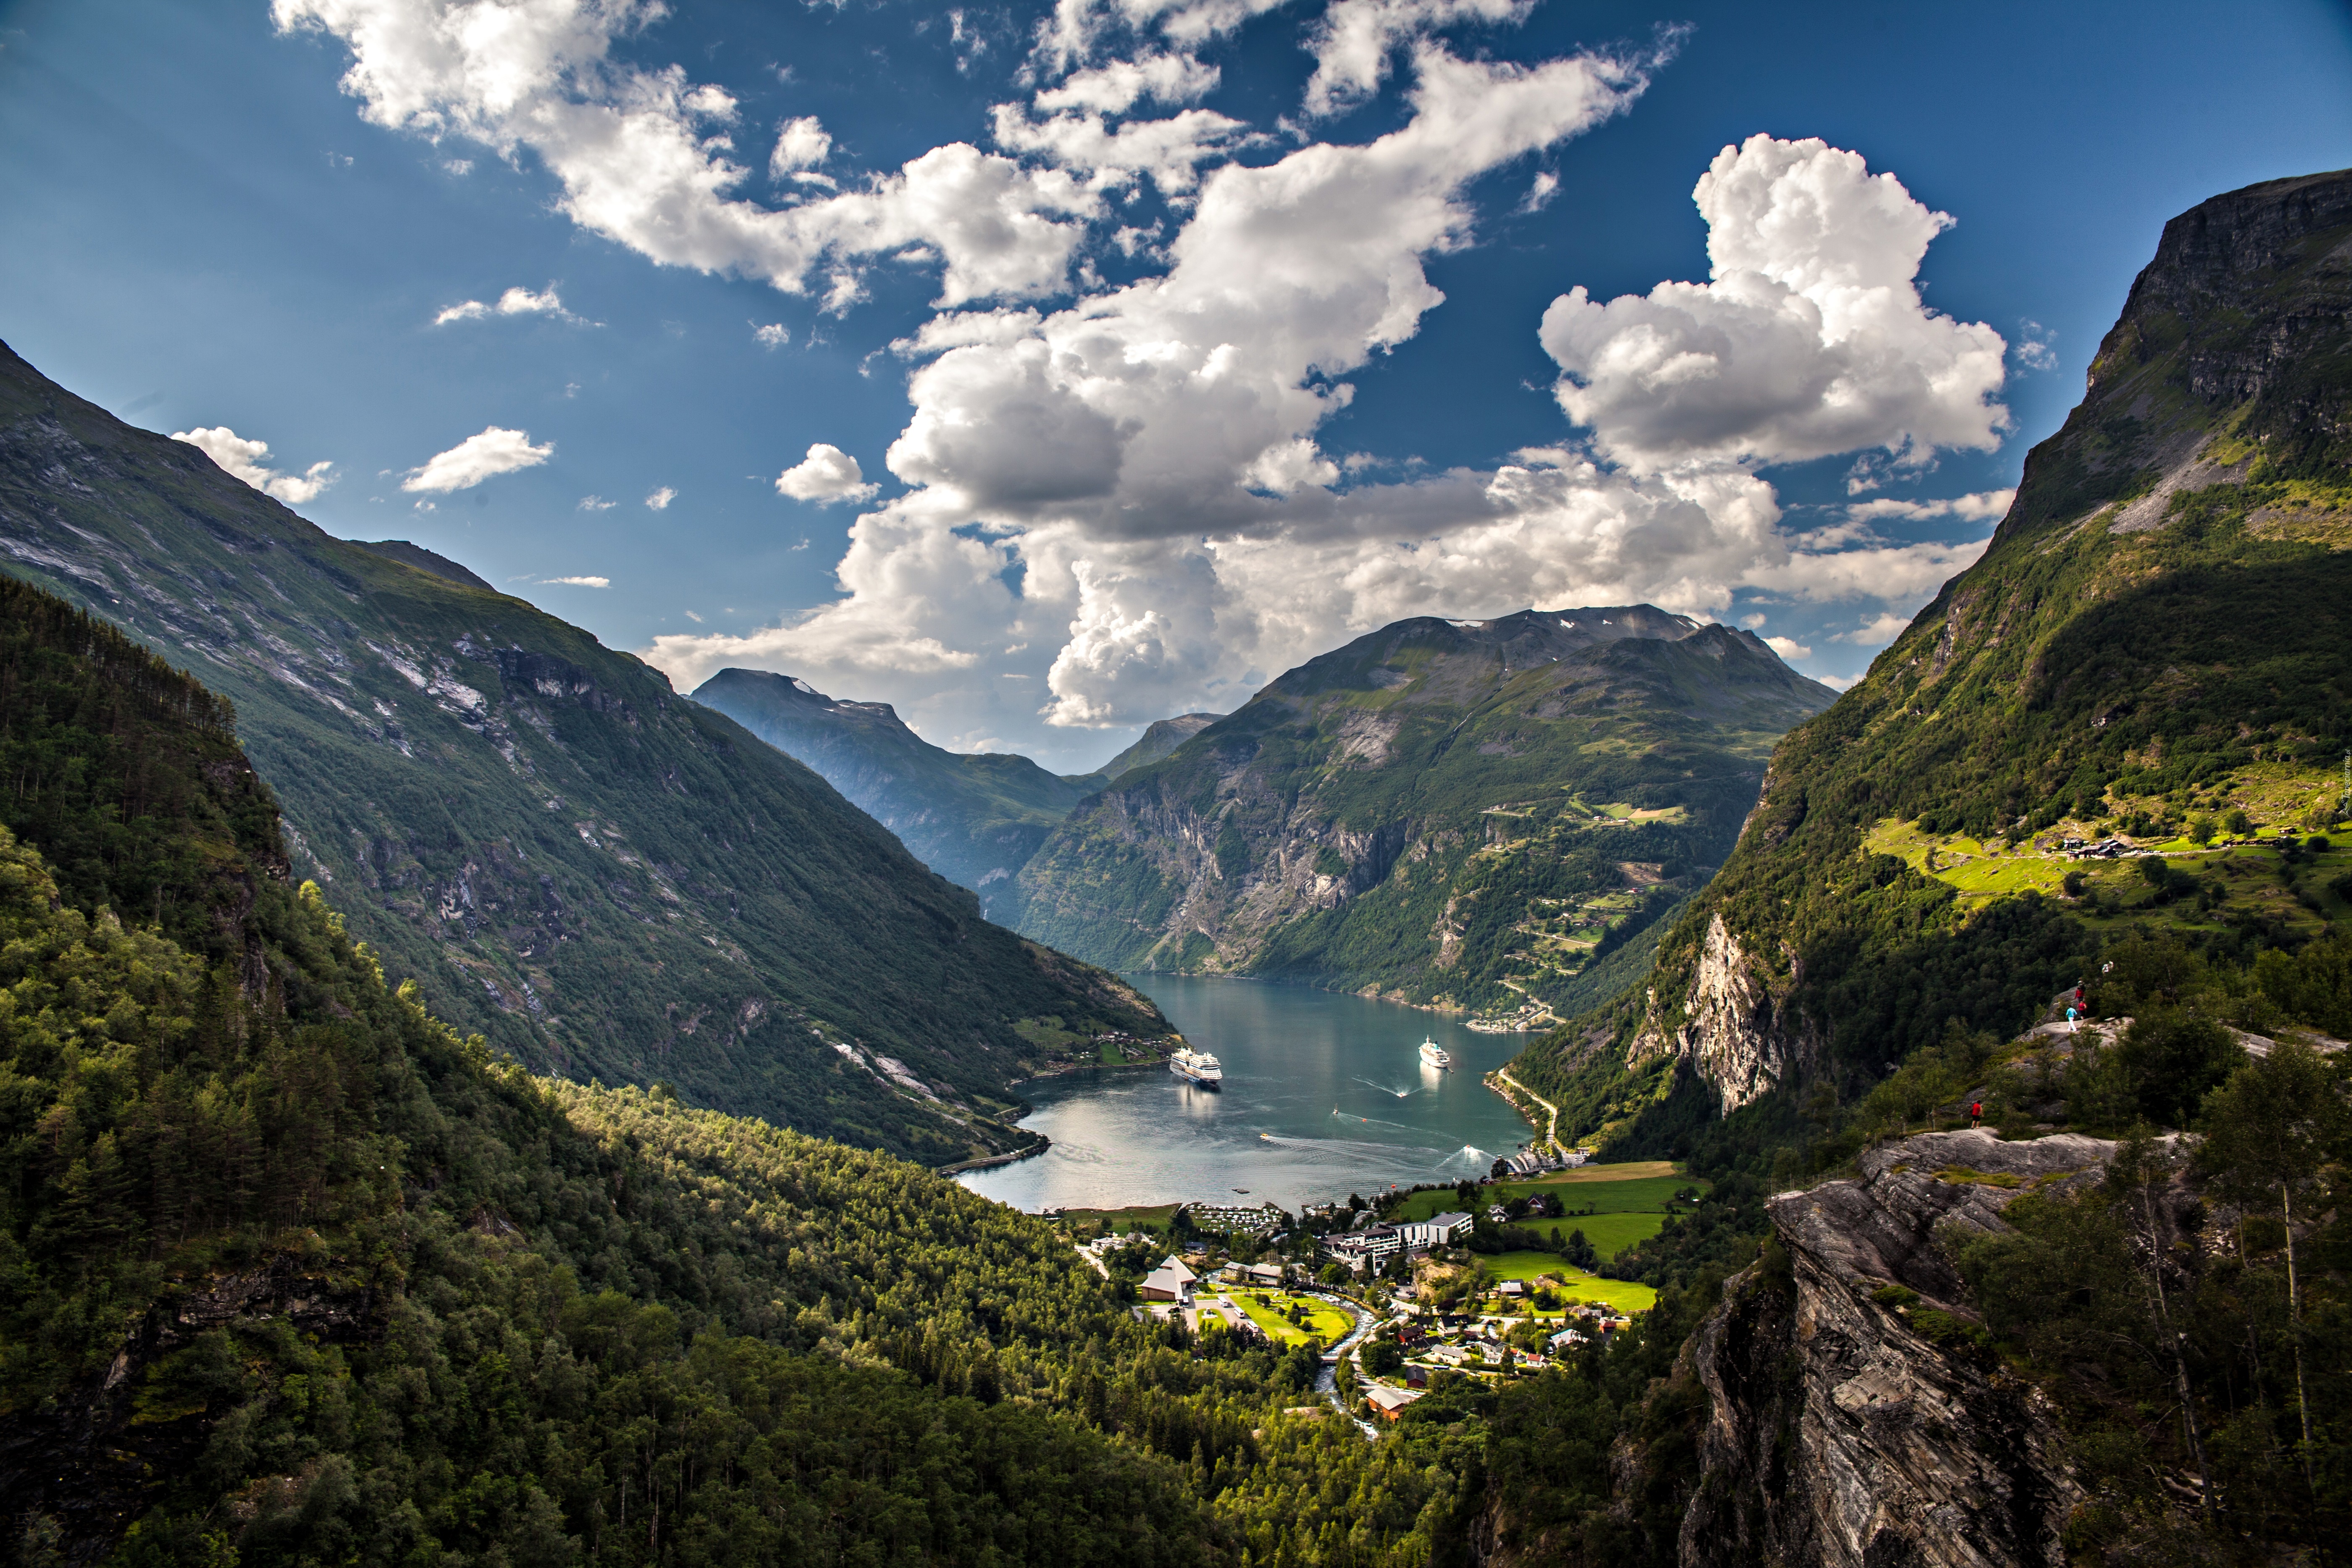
(1066, 1068)
(986, 1161)
(1509, 1089)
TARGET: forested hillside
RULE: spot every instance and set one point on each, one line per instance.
(2107, 754)
(290, 1272)
(2155, 651)
(1473, 814)
(603, 878)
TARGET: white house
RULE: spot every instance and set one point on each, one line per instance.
(1172, 1281)
(1437, 1230)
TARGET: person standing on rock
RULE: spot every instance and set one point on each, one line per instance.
(1976, 1113)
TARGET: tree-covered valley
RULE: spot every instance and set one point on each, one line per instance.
(463, 1106)
(601, 877)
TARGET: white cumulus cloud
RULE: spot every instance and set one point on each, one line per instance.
(1983, 506)
(772, 334)
(515, 302)
(827, 474)
(1118, 85)
(249, 461)
(659, 501)
(580, 582)
(1356, 39)
(1789, 647)
(1878, 629)
(641, 156)
(801, 143)
(1120, 497)
(492, 452)
(1154, 512)
(1809, 337)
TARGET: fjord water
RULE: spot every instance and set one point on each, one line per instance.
(1324, 1095)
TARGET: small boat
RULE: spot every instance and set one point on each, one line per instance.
(1433, 1054)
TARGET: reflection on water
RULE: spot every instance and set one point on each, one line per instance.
(1324, 1095)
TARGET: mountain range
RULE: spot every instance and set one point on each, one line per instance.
(1466, 813)
(973, 818)
(292, 1272)
(600, 877)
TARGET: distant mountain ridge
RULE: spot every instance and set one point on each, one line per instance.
(1164, 736)
(600, 876)
(975, 818)
(1459, 812)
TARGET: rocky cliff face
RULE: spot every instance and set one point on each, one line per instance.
(1851, 1424)
(1728, 1031)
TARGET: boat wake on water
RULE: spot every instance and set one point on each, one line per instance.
(1376, 1121)
(1385, 1088)
(1357, 1147)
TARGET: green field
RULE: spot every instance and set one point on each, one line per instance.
(1645, 1194)
(2242, 872)
(1155, 1219)
(1622, 1294)
(1328, 1324)
(1610, 1234)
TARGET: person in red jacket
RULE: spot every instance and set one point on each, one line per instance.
(1976, 1113)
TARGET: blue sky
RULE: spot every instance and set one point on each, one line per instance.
(1168, 414)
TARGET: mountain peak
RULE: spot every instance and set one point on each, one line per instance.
(2224, 365)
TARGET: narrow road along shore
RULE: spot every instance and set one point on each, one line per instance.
(1552, 1132)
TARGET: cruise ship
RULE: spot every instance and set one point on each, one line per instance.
(1196, 1067)
(1433, 1054)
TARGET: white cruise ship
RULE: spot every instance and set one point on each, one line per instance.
(1196, 1067)
(1433, 1054)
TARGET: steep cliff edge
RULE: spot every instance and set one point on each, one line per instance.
(1851, 1423)
(2157, 629)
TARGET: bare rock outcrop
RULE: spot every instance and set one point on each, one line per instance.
(1852, 1424)
(1729, 1030)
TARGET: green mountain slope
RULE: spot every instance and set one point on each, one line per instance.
(974, 818)
(1164, 736)
(425, 560)
(600, 877)
(290, 1273)
(294, 1273)
(2156, 646)
(1462, 813)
